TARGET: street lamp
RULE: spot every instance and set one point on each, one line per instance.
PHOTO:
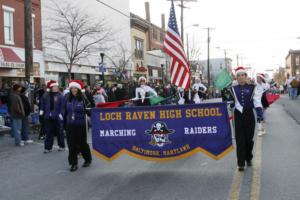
(102, 56)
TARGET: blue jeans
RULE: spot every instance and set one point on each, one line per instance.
(16, 126)
(25, 129)
(294, 93)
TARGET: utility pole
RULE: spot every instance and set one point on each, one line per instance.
(208, 56)
(181, 5)
(187, 48)
(237, 60)
(28, 49)
(28, 40)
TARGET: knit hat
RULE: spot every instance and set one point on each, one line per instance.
(77, 84)
(240, 70)
(51, 84)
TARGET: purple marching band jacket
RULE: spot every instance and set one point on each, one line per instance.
(52, 105)
(75, 111)
(248, 97)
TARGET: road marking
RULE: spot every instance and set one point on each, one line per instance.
(236, 185)
(256, 173)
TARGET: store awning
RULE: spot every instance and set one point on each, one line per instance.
(9, 59)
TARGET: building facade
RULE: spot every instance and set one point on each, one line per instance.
(139, 43)
(158, 64)
(199, 68)
(12, 42)
(149, 60)
(87, 68)
(292, 64)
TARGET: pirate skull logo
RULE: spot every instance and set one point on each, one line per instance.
(159, 134)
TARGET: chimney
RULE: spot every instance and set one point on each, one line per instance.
(163, 22)
(147, 8)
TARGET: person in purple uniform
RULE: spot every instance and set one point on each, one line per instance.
(51, 110)
(246, 98)
(75, 110)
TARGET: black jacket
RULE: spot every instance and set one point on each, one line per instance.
(26, 104)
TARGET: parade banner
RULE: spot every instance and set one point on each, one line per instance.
(162, 133)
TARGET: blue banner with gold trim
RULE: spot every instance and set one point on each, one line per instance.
(161, 133)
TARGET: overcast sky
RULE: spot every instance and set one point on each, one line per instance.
(262, 31)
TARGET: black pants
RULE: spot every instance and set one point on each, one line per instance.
(53, 127)
(244, 133)
(42, 127)
(77, 140)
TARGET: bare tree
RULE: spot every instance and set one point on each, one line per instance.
(279, 76)
(194, 55)
(120, 60)
(75, 32)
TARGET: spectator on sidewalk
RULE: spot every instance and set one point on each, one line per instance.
(51, 109)
(294, 88)
(16, 112)
(100, 95)
(120, 93)
(75, 111)
(89, 95)
(39, 94)
(25, 120)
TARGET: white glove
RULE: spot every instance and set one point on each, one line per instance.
(61, 117)
(41, 112)
(143, 94)
(181, 101)
(197, 99)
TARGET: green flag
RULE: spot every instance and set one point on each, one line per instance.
(156, 100)
(223, 79)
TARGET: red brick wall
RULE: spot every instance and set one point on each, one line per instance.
(18, 5)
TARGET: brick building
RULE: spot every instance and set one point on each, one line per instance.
(147, 43)
(12, 52)
(292, 63)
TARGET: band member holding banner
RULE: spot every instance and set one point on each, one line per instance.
(199, 89)
(51, 110)
(143, 93)
(76, 106)
(246, 97)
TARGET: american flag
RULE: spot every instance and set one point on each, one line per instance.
(180, 71)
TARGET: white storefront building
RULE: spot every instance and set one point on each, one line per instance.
(87, 68)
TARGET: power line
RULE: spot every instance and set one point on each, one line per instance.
(124, 14)
(119, 11)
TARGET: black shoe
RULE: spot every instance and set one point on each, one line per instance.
(73, 168)
(86, 164)
(249, 163)
(241, 169)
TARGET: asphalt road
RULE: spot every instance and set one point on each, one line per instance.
(27, 174)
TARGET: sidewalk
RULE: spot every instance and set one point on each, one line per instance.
(280, 152)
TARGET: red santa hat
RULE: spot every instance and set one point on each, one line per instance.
(261, 75)
(51, 84)
(240, 70)
(77, 84)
